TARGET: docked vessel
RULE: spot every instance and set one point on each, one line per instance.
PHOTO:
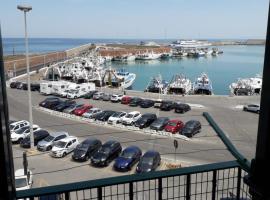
(247, 86)
(189, 44)
(157, 85)
(203, 85)
(179, 85)
(148, 56)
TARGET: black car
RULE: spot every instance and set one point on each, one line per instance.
(90, 94)
(50, 102)
(63, 105)
(145, 120)
(159, 123)
(135, 102)
(191, 128)
(128, 158)
(147, 103)
(167, 105)
(35, 87)
(149, 162)
(106, 154)
(25, 86)
(14, 84)
(38, 136)
(19, 85)
(182, 108)
(86, 149)
(104, 115)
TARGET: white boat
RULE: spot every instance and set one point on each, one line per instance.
(247, 86)
(203, 85)
(189, 44)
(180, 85)
(157, 85)
(148, 56)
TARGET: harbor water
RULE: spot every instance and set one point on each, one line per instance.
(236, 61)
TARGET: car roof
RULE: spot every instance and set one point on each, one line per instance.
(191, 122)
(132, 148)
(18, 122)
(95, 109)
(55, 134)
(174, 120)
(67, 139)
(89, 140)
(148, 115)
(110, 142)
(150, 153)
(134, 112)
(162, 118)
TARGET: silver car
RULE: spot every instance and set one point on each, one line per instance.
(71, 108)
(92, 112)
(47, 143)
(252, 108)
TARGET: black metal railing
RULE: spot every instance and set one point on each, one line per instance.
(212, 181)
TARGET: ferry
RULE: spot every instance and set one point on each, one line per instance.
(189, 44)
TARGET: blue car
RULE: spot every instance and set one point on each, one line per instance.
(128, 158)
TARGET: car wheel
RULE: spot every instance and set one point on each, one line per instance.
(86, 157)
(49, 148)
(244, 109)
(132, 124)
(19, 140)
(258, 112)
(64, 154)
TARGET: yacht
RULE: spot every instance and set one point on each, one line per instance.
(180, 85)
(189, 44)
(157, 85)
(203, 85)
(247, 86)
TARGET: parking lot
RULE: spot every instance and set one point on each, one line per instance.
(205, 147)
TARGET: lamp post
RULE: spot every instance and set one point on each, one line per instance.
(26, 9)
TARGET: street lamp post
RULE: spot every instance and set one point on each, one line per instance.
(26, 9)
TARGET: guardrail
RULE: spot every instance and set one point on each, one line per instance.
(212, 181)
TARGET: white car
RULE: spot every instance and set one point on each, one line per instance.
(90, 113)
(73, 94)
(64, 93)
(64, 146)
(116, 97)
(19, 135)
(98, 95)
(252, 108)
(17, 125)
(116, 117)
(22, 181)
(131, 118)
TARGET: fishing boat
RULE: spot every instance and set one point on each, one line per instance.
(203, 85)
(179, 84)
(157, 85)
(247, 86)
(148, 56)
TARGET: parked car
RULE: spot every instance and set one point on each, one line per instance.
(64, 93)
(47, 143)
(35, 87)
(65, 104)
(174, 126)
(38, 136)
(73, 107)
(191, 128)
(126, 99)
(22, 181)
(104, 115)
(18, 124)
(131, 118)
(116, 97)
(90, 94)
(13, 84)
(19, 135)
(86, 149)
(24, 86)
(149, 162)
(116, 117)
(64, 146)
(50, 102)
(92, 112)
(20, 85)
(167, 105)
(145, 120)
(106, 97)
(107, 153)
(181, 108)
(128, 158)
(252, 108)
(79, 111)
(147, 103)
(98, 95)
(135, 102)
(159, 123)
(157, 103)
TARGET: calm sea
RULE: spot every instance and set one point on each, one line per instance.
(236, 61)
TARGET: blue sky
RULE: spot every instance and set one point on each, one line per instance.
(157, 19)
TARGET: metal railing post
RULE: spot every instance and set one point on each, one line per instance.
(214, 185)
(239, 178)
(160, 188)
(188, 184)
(131, 191)
(67, 197)
(99, 193)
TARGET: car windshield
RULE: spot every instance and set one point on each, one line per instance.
(22, 130)
(49, 138)
(147, 160)
(172, 123)
(60, 144)
(20, 182)
(127, 154)
(105, 150)
(83, 146)
(161, 120)
(129, 115)
(117, 114)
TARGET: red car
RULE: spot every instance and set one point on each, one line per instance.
(174, 126)
(81, 110)
(126, 100)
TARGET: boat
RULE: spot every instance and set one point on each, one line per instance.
(247, 86)
(198, 53)
(203, 85)
(148, 56)
(190, 44)
(119, 79)
(179, 53)
(157, 85)
(179, 84)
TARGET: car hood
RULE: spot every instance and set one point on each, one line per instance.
(57, 149)
(43, 143)
(168, 127)
(144, 168)
(122, 162)
(100, 156)
(79, 152)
